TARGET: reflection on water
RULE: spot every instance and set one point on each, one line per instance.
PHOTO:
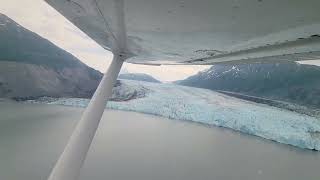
(136, 146)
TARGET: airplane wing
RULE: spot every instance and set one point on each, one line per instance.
(202, 31)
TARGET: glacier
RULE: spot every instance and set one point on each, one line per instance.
(212, 108)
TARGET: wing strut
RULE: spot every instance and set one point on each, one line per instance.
(70, 162)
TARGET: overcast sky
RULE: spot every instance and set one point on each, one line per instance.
(42, 19)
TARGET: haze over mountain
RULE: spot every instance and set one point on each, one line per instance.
(289, 81)
(32, 66)
(138, 77)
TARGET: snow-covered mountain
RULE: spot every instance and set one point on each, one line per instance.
(32, 66)
(289, 81)
(138, 77)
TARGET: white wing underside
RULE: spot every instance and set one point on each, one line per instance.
(202, 31)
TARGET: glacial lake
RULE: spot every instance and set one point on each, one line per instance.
(135, 146)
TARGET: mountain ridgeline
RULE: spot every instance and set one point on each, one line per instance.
(32, 66)
(288, 81)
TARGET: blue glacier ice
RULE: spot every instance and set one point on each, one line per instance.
(212, 108)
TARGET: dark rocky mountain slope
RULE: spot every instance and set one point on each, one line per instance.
(289, 81)
(32, 66)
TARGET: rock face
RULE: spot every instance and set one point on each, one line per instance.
(288, 81)
(31, 66)
(138, 77)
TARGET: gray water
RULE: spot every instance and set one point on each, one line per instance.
(133, 146)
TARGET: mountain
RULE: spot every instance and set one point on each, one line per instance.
(138, 77)
(32, 66)
(289, 81)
